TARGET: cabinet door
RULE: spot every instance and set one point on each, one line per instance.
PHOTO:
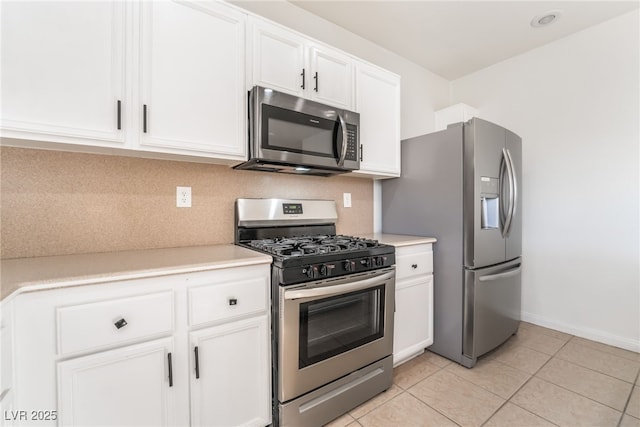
(192, 79)
(332, 76)
(63, 71)
(413, 328)
(378, 102)
(279, 59)
(128, 386)
(230, 376)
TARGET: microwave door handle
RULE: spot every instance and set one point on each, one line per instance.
(343, 151)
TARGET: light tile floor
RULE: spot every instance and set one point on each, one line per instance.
(540, 377)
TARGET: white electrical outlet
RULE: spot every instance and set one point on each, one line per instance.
(183, 197)
(346, 200)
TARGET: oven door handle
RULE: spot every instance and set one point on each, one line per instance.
(323, 291)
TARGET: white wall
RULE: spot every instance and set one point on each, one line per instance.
(575, 102)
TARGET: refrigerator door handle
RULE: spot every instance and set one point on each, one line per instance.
(509, 216)
(498, 276)
(505, 172)
(513, 192)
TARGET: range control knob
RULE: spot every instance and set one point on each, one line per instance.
(311, 271)
(366, 262)
(325, 269)
(350, 266)
(379, 261)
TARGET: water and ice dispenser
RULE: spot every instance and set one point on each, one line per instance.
(489, 203)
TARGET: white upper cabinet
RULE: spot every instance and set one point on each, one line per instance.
(288, 62)
(63, 71)
(279, 60)
(192, 68)
(332, 78)
(378, 102)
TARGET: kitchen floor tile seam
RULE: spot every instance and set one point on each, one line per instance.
(578, 343)
(422, 379)
(398, 395)
(586, 397)
(467, 381)
(528, 373)
(486, 389)
(545, 328)
(435, 409)
(524, 409)
(626, 405)
(575, 339)
(520, 388)
(531, 347)
(592, 370)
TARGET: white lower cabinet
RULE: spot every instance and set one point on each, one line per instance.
(128, 386)
(230, 375)
(413, 327)
(122, 353)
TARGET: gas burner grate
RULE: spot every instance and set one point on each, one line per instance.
(312, 245)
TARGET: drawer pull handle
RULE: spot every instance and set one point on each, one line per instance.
(197, 359)
(233, 301)
(120, 323)
(414, 266)
(170, 363)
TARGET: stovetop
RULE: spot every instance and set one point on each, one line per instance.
(300, 235)
(305, 258)
(312, 245)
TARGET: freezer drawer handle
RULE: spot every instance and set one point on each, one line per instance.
(498, 276)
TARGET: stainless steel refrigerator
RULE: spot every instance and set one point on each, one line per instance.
(462, 185)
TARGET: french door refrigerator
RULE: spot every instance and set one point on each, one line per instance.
(462, 186)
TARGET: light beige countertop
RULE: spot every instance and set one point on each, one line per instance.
(398, 240)
(30, 274)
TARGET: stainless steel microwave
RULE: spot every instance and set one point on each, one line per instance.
(294, 135)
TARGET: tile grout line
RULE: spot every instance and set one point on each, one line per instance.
(441, 368)
(403, 390)
(594, 370)
(624, 411)
(524, 384)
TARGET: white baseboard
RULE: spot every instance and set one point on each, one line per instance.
(591, 334)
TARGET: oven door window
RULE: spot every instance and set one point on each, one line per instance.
(296, 132)
(334, 325)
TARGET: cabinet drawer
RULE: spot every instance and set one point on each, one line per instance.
(93, 326)
(413, 261)
(222, 301)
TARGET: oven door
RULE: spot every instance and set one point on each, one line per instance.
(331, 328)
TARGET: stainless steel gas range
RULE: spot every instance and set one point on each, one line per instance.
(332, 308)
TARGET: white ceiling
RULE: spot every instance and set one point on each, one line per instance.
(455, 38)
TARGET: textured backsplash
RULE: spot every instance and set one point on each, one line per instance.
(58, 203)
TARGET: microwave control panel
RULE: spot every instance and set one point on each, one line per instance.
(352, 143)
